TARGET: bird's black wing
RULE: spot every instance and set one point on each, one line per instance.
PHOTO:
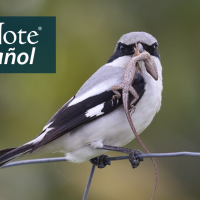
(70, 117)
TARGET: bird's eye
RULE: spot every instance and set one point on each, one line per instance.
(154, 45)
(121, 46)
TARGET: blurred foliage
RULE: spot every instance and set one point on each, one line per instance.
(87, 32)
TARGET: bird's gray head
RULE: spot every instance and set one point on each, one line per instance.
(125, 45)
(135, 37)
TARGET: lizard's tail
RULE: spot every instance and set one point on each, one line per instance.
(142, 144)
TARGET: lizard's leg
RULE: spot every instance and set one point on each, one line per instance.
(117, 93)
(135, 94)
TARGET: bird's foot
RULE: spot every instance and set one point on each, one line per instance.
(134, 160)
(100, 161)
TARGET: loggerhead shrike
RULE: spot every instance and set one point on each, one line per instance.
(90, 119)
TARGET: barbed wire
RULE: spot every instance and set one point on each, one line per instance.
(62, 159)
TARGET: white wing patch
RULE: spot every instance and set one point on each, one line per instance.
(96, 111)
(46, 129)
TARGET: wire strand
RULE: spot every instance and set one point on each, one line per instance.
(87, 188)
(143, 155)
(61, 159)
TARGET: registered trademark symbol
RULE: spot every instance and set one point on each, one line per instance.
(39, 28)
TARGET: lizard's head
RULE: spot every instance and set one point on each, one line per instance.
(133, 44)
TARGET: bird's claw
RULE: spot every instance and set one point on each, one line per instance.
(101, 161)
(134, 160)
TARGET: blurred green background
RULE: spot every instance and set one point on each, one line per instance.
(87, 32)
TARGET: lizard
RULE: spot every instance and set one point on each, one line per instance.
(126, 87)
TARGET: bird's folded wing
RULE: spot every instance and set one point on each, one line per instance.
(73, 115)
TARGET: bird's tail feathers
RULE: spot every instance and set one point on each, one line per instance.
(7, 155)
(3, 151)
